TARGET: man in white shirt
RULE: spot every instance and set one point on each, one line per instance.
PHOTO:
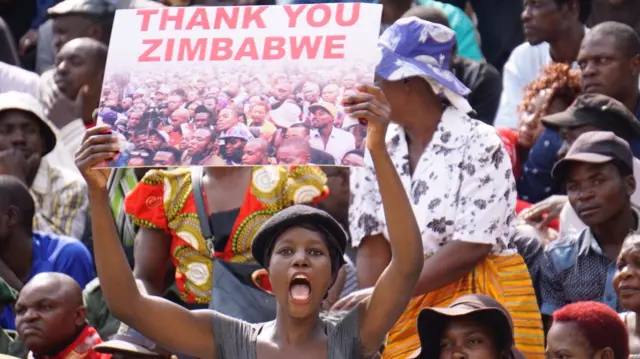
(326, 137)
(554, 30)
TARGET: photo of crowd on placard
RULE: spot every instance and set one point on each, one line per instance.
(203, 116)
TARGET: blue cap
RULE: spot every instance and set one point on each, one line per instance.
(412, 47)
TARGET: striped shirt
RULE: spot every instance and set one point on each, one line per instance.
(61, 201)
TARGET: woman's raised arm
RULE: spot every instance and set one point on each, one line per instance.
(395, 286)
(166, 323)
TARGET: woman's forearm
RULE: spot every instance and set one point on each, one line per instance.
(449, 264)
(116, 279)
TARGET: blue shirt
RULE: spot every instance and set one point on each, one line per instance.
(56, 253)
(41, 12)
(574, 270)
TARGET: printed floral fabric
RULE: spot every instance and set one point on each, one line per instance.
(164, 200)
(462, 187)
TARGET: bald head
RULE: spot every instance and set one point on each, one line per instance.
(49, 312)
(53, 283)
(80, 62)
(94, 48)
(16, 202)
(626, 38)
(294, 151)
(259, 144)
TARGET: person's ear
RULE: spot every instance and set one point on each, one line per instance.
(81, 316)
(630, 185)
(606, 353)
(635, 65)
(13, 216)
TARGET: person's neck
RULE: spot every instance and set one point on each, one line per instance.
(18, 255)
(297, 332)
(325, 132)
(32, 173)
(631, 99)
(613, 232)
(64, 345)
(420, 129)
(566, 46)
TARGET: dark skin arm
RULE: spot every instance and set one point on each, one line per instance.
(393, 289)
(190, 332)
(151, 255)
(438, 271)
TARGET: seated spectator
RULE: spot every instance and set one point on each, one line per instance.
(592, 112)
(27, 252)
(608, 59)
(625, 12)
(61, 197)
(587, 330)
(597, 173)
(627, 285)
(70, 91)
(480, 77)
(71, 19)
(551, 27)
(447, 332)
(553, 92)
(50, 318)
(129, 344)
(167, 156)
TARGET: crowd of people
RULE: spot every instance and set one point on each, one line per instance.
(293, 116)
(474, 196)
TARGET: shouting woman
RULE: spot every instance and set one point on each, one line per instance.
(302, 249)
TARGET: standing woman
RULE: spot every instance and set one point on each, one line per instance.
(460, 181)
(301, 247)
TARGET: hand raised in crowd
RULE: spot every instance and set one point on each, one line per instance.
(61, 110)
(370, 106)
(28, 41)
(13, 162)
(98, 146)
(545, 211)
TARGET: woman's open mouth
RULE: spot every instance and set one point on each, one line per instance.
(300, 289)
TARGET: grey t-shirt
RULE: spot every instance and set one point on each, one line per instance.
(236, 339)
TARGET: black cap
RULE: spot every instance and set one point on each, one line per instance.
(596, 147)
(292, 217)
(599, 110)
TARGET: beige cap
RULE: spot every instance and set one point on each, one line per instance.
(21, 101)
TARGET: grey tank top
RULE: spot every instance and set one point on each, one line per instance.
(237, 339)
